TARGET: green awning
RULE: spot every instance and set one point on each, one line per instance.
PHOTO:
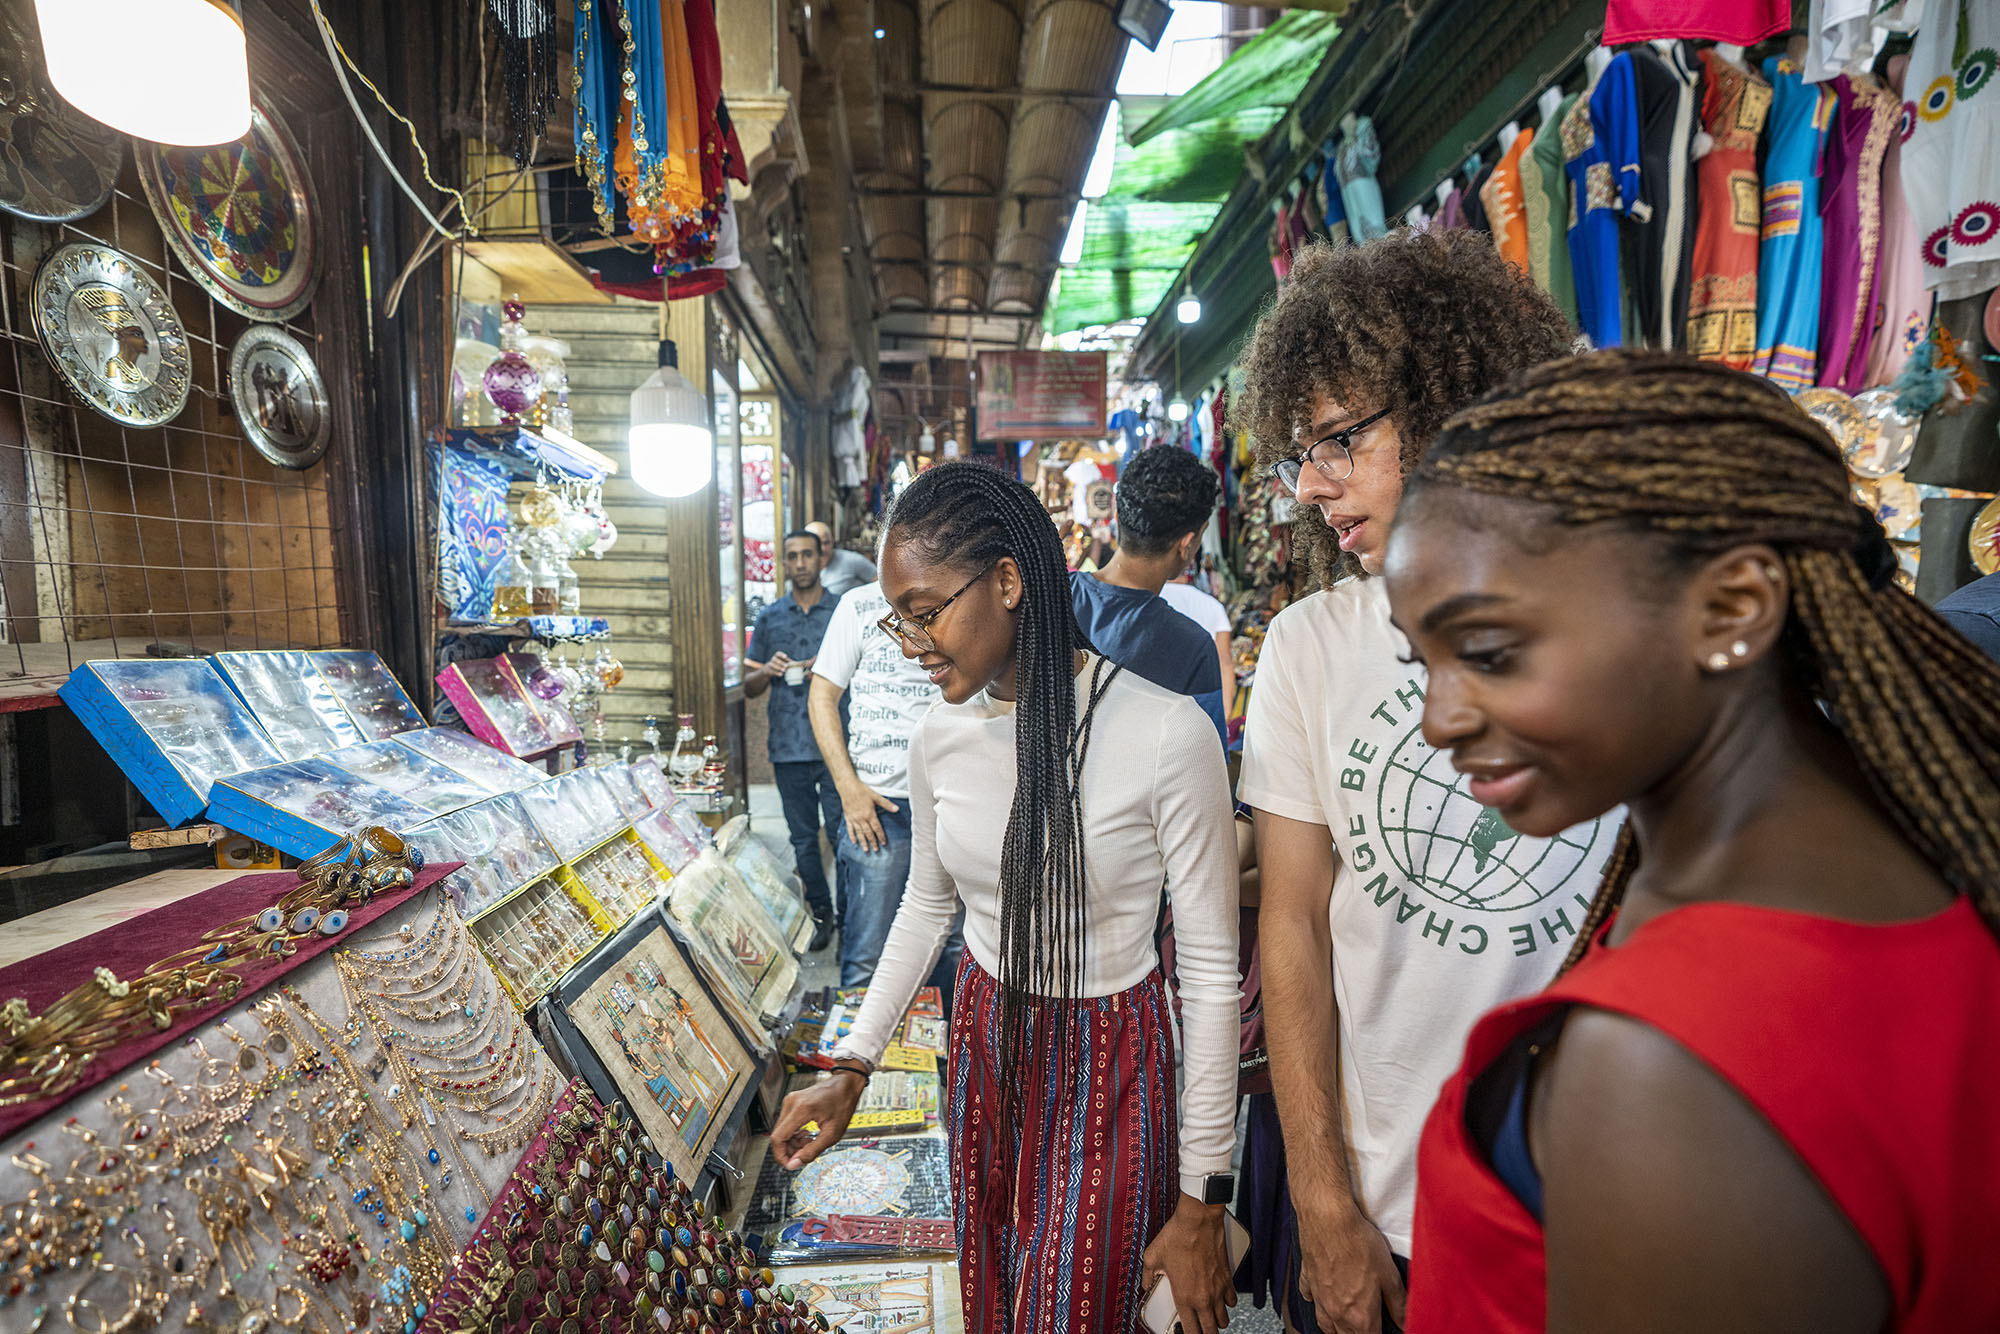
(1198, 162)
(1267, 71)
(1132, 250)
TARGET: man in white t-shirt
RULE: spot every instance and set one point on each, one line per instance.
(1395, 909)
(888, 695)
(1208, 613)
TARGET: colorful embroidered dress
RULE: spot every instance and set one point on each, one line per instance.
(1789, 260)
(1851, 212)
(1601, 153)
(1951, 163)
(1722, 303)
(1502, 195)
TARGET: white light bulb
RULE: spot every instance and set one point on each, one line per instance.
(1189, 309)
(1177, 410)
(672, 448)
(173, 71)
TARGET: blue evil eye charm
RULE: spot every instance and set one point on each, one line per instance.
(433, 1156)
(333, 923)
(271, 919)
(305, 920)
(471, 1217)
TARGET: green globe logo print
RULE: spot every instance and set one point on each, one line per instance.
(1460, 852)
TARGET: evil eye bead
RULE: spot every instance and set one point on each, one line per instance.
(333, 923)
(271, 919)
(305, 920)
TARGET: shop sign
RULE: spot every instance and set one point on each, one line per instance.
(1041, 395)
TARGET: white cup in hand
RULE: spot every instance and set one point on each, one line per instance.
(795, 675)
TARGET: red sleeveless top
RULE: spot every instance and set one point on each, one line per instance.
(1874, 1051)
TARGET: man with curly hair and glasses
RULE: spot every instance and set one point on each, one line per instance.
(1395, 909)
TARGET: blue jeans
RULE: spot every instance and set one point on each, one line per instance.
(872, 887)
(808, 794)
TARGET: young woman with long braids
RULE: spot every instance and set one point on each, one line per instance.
(1761, 1095)
(1054, 795)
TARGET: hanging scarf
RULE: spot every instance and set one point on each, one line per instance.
(595, 74)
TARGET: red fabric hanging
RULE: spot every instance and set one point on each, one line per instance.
(1738, 22)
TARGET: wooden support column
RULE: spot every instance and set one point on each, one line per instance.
(694, 554)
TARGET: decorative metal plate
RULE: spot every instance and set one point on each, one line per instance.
(56, 164)
(112, 334)
(1984, 539)
(240, 216)
(1883, 440)
(279, 396)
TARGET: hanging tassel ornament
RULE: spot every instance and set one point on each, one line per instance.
(526, 36)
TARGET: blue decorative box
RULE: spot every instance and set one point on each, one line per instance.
(290, 700)
(575, 811)
(500, 848)
(173, 725)
(305, 806)
(372, 696)
(415, 778)
(490, 767)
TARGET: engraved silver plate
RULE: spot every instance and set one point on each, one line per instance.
(112, 334)
(279, 396)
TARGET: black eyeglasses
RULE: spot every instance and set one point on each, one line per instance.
(1289, 471)
(916, 630)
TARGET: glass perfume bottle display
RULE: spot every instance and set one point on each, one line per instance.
(511, 596)
(686, 761)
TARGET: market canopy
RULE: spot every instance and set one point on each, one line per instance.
(1268, 71)
(1176, 160)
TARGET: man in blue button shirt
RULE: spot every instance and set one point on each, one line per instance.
(782, 648)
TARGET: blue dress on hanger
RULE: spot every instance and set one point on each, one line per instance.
(1601, 157)
(1788, 256)
(1360, 194)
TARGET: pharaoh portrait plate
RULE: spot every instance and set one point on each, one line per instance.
(112, 334)
(279, 397)
(240, 216)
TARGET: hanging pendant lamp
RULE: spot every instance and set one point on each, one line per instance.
(172, 71)
(673, 450)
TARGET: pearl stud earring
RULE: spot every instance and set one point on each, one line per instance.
(1739, 649)
(1717, 661)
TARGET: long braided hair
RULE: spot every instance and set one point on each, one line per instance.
(1708, 459)
(969, 516)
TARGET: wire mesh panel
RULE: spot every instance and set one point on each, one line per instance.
(118, 541)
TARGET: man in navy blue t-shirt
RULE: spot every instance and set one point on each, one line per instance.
(1165, 497)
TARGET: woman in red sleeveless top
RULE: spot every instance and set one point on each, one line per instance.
(1762, 1097)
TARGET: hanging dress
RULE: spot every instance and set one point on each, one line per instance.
(1902, 312)
(1788, 261)
(1851, 212)
(1744, 22)
(1659, 224)
(1722, 300)
(1360, 194)
(1601, 153)
(1951, 164)
(1545, 190)
(1506, 214)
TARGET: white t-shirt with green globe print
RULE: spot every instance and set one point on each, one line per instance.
(1440, 911)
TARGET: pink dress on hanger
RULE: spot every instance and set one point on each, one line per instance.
(1902, 312)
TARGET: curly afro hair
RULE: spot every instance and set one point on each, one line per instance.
(1164, 494)
(1420, 323)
